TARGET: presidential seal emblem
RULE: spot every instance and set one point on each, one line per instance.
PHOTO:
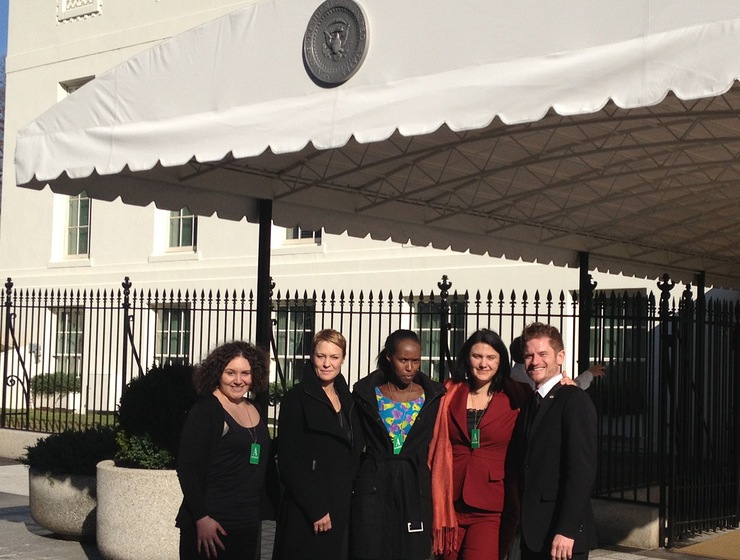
(335, 42)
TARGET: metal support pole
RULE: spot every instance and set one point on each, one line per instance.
(263, 332)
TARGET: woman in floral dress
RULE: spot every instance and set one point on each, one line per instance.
(391, 507)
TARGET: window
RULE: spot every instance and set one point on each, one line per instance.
(78, 226)
(305, 235)
(183, 230)
(173, 336)
(428, 327)
(68, 343)
(295, 330)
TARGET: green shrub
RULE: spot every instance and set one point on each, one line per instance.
(151, 415)
(59, 382)
(71, 451)
(140, 452)
(275, 392)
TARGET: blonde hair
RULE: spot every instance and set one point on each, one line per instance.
(329, 335)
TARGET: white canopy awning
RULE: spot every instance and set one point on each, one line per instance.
(522, 129)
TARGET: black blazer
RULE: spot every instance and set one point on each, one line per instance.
(556, 459)
(317, 460)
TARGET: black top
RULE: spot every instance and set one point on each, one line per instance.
(213, 466)
(233, 484)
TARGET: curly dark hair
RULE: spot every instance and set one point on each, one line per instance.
(461, 370)
(208, 373)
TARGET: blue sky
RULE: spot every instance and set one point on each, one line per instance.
(3, 27)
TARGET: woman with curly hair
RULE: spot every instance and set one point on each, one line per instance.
(223, 454)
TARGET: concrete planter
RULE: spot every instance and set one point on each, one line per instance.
(136, 513)
(63, 504)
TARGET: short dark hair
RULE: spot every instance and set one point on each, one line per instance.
(390, 347)
(516, 348)
(461, 370)
(208, 373)
(541, 330)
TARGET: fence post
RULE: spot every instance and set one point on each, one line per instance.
(699, 344)
(126, 284)
(665, 406)
(6, 345)
(444, 326)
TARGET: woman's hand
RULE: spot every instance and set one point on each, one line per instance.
(322, 525)
(208, 531)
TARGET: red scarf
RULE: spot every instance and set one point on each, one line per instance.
(444, 520)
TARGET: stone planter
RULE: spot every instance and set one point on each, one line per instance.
(63, 504)
(136, 513)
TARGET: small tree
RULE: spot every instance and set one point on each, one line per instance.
(151, 416)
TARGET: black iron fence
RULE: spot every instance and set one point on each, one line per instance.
(667, 407)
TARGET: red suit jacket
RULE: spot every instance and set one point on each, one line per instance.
(478, 474)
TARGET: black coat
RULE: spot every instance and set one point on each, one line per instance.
(556, 458)
(317, 460)
(392, 504)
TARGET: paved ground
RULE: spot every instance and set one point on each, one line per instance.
(22, 538)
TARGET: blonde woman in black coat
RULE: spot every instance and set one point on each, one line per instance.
(320, 441)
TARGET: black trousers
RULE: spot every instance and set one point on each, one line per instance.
(241, 544)
(529, 554)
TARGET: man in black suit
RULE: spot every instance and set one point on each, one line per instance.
(556, 455)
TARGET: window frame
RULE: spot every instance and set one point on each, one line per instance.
(74, 231)
(164, 330)
(176, 227)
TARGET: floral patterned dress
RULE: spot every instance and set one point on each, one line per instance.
(398, 417)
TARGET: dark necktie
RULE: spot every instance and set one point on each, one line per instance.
(536, 401)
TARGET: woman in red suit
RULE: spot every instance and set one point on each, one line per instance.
(475, 508)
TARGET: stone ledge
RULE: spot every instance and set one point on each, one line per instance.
(626, 524)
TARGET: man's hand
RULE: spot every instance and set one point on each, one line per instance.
(567, 380)
(562, 548)
(598, 370)
(322, 525)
